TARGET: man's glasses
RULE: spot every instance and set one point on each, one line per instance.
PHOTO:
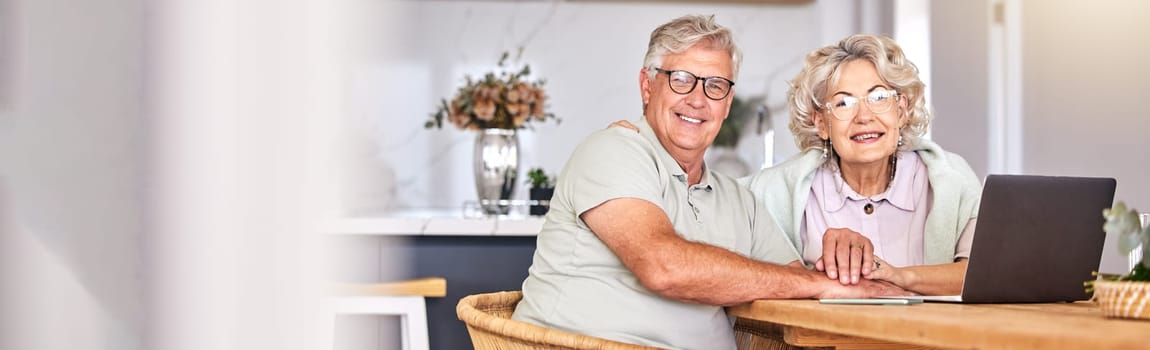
(683, 82)
(844, 107)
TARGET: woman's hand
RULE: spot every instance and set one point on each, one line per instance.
(884, 271)
(846, 255)
(940, 279)
(624, 124)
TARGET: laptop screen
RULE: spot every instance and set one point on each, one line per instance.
(1038, 238)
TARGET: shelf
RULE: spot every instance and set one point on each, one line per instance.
(434, 225)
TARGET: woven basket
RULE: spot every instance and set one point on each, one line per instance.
(1123, 299)
(488, 319)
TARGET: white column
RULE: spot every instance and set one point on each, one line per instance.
(239, 95)
(1005, 90)
(912, 32)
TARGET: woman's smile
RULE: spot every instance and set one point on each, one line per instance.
(867, 137)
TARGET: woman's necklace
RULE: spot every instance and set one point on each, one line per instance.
(868, 208)
(890, 171)
(893, 164)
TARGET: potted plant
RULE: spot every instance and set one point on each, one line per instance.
(1123, 296)
(724, 158)
(542, 188)
(495, 105)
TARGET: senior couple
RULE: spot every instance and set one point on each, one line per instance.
(644, 244)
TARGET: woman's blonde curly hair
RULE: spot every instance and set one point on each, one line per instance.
(822, 69)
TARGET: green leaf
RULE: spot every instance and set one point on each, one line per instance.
(1146, 255)
(1141, 272)
(1128, 242)
(1145, 249)
(539, 179)
(1121, 220)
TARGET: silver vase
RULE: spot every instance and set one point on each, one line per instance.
(496, 169)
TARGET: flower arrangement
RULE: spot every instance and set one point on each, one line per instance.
(1127, 295)
(507, 100)
(1125, 223)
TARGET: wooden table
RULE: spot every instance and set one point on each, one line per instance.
(941, 325)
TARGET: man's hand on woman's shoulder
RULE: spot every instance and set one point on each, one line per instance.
(623, 124)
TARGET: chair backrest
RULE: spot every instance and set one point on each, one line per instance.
(420, 287)
(488, 319)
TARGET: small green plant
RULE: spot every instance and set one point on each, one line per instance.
(539, 179)
(743, 109)
(1124, 223)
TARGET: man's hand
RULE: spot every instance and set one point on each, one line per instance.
(846, 255)
(864, 289)
(624, 124)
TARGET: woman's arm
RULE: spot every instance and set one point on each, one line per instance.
(942, 279)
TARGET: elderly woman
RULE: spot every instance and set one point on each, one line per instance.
(868, 196)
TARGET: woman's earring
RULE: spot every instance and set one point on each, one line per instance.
(826, 148)
(899, 141)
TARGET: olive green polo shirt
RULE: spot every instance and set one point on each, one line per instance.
(577, 284)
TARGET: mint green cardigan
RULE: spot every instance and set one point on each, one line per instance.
(785, 188)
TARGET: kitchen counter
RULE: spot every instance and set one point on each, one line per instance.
(430, 222)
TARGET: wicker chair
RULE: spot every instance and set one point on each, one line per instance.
(488, 319)
(758, 335)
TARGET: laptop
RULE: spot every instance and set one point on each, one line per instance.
(1038, 238)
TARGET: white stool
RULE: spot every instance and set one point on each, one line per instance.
(405, 299)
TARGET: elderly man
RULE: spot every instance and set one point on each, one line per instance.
(644, 244)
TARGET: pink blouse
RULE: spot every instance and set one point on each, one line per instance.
(895, 225)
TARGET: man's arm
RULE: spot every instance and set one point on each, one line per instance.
(641, 235)
(847, 255)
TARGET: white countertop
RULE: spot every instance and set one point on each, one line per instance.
(429, 222)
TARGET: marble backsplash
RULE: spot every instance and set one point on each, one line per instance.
(588, 53)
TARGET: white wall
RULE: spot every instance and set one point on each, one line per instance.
(1084, 77)
(154, 188)
(1083, 70)
(1063, 59)
(71, 151)
(959, 92)
(589, 54)
(1084, 85)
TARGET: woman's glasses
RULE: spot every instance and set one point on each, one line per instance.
(845, 107)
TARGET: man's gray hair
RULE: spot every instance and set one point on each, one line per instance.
(682, 33)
